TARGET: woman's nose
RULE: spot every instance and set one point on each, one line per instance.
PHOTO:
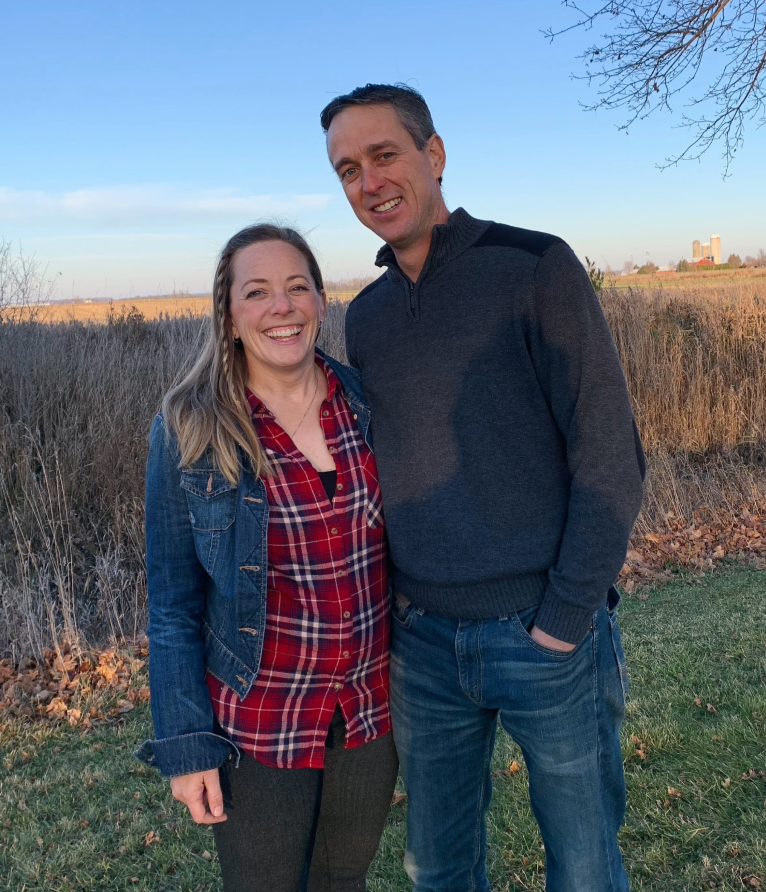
(282, 302)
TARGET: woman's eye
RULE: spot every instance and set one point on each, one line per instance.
(254, 294)
(300, 288)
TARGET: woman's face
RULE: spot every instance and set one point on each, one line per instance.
(275, 308)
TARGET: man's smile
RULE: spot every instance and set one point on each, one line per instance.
(387, 205)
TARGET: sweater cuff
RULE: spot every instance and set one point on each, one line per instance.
(563, 620)
(188, 753)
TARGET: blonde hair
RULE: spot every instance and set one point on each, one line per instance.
(208, 409)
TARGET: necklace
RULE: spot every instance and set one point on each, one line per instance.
(311, 403)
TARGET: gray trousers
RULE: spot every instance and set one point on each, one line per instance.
(296, 829)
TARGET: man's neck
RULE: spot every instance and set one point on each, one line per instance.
(411, 259)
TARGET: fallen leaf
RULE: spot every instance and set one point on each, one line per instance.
(514, 767)
(398, 797)
(207, 856)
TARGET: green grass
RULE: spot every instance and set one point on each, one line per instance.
(75, 809)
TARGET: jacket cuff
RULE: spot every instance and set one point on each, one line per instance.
(563, 620)
(188, 753)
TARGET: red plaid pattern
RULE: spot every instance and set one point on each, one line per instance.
(327, 623)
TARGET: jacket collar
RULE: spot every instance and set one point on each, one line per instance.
(448, 240)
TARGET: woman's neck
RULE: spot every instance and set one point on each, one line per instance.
(284, 385)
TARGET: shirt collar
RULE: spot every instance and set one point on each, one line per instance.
(259, 409)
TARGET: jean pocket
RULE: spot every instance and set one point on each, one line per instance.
(523, 622)
(402, 610)
(619, 655)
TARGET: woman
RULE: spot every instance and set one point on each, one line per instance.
(268, 593)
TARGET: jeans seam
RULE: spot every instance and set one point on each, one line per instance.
(598, 708)
(489, 746)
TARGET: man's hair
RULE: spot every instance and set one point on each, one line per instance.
(409, 105)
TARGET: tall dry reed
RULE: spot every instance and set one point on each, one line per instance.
(77, 401)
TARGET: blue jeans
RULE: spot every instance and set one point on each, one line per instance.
(450, 679)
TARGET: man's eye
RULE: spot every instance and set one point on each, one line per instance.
(348, 173)
(387, 156)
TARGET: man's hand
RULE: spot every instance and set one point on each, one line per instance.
(201, 794)
(549, 641)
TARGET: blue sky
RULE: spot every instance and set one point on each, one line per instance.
(136, 138)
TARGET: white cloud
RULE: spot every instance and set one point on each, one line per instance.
(120, 206)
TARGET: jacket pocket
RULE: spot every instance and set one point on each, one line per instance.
(211, 498)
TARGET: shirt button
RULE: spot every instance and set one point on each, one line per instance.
(326, 413)
(332, 450)
(337, 686)
(334, 531)
(346, 614)
(340, 573)
(339, 486)
(355, 417)
(345, 654)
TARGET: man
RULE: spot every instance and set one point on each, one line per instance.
(511, 471)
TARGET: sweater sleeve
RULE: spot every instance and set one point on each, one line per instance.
(580, 375)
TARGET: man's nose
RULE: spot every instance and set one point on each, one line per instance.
(372, 181)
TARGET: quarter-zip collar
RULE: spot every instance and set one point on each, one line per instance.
(448, 241)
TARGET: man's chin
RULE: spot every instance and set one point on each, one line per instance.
(394, 233)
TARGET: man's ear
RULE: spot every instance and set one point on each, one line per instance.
(437, 154)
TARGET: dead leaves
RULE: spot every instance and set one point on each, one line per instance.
(697, 546)
(84, 692)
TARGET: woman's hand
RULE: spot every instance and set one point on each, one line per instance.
(201, 794)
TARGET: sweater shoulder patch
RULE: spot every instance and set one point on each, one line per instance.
(501, 236)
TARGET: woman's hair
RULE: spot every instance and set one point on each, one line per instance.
(208, 407)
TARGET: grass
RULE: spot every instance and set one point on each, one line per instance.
(76, 810)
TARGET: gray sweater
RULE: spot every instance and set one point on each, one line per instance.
(509, 460)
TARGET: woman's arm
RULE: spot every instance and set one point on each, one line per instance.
(181, 708)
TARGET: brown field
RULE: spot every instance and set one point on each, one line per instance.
(150, 308)
(712, 279)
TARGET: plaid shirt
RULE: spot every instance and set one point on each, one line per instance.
(327, 624)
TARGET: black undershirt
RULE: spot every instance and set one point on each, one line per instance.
(329, 479)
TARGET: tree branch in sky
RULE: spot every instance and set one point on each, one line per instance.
(655, 49)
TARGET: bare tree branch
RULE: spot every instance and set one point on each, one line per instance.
(655, 49)
(22, 282)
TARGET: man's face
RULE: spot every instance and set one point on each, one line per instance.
(392, 187)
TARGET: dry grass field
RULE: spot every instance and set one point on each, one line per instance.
(151, 308)
(77, 399)
(713, 278)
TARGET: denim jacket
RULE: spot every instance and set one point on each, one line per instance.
(206, 554)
